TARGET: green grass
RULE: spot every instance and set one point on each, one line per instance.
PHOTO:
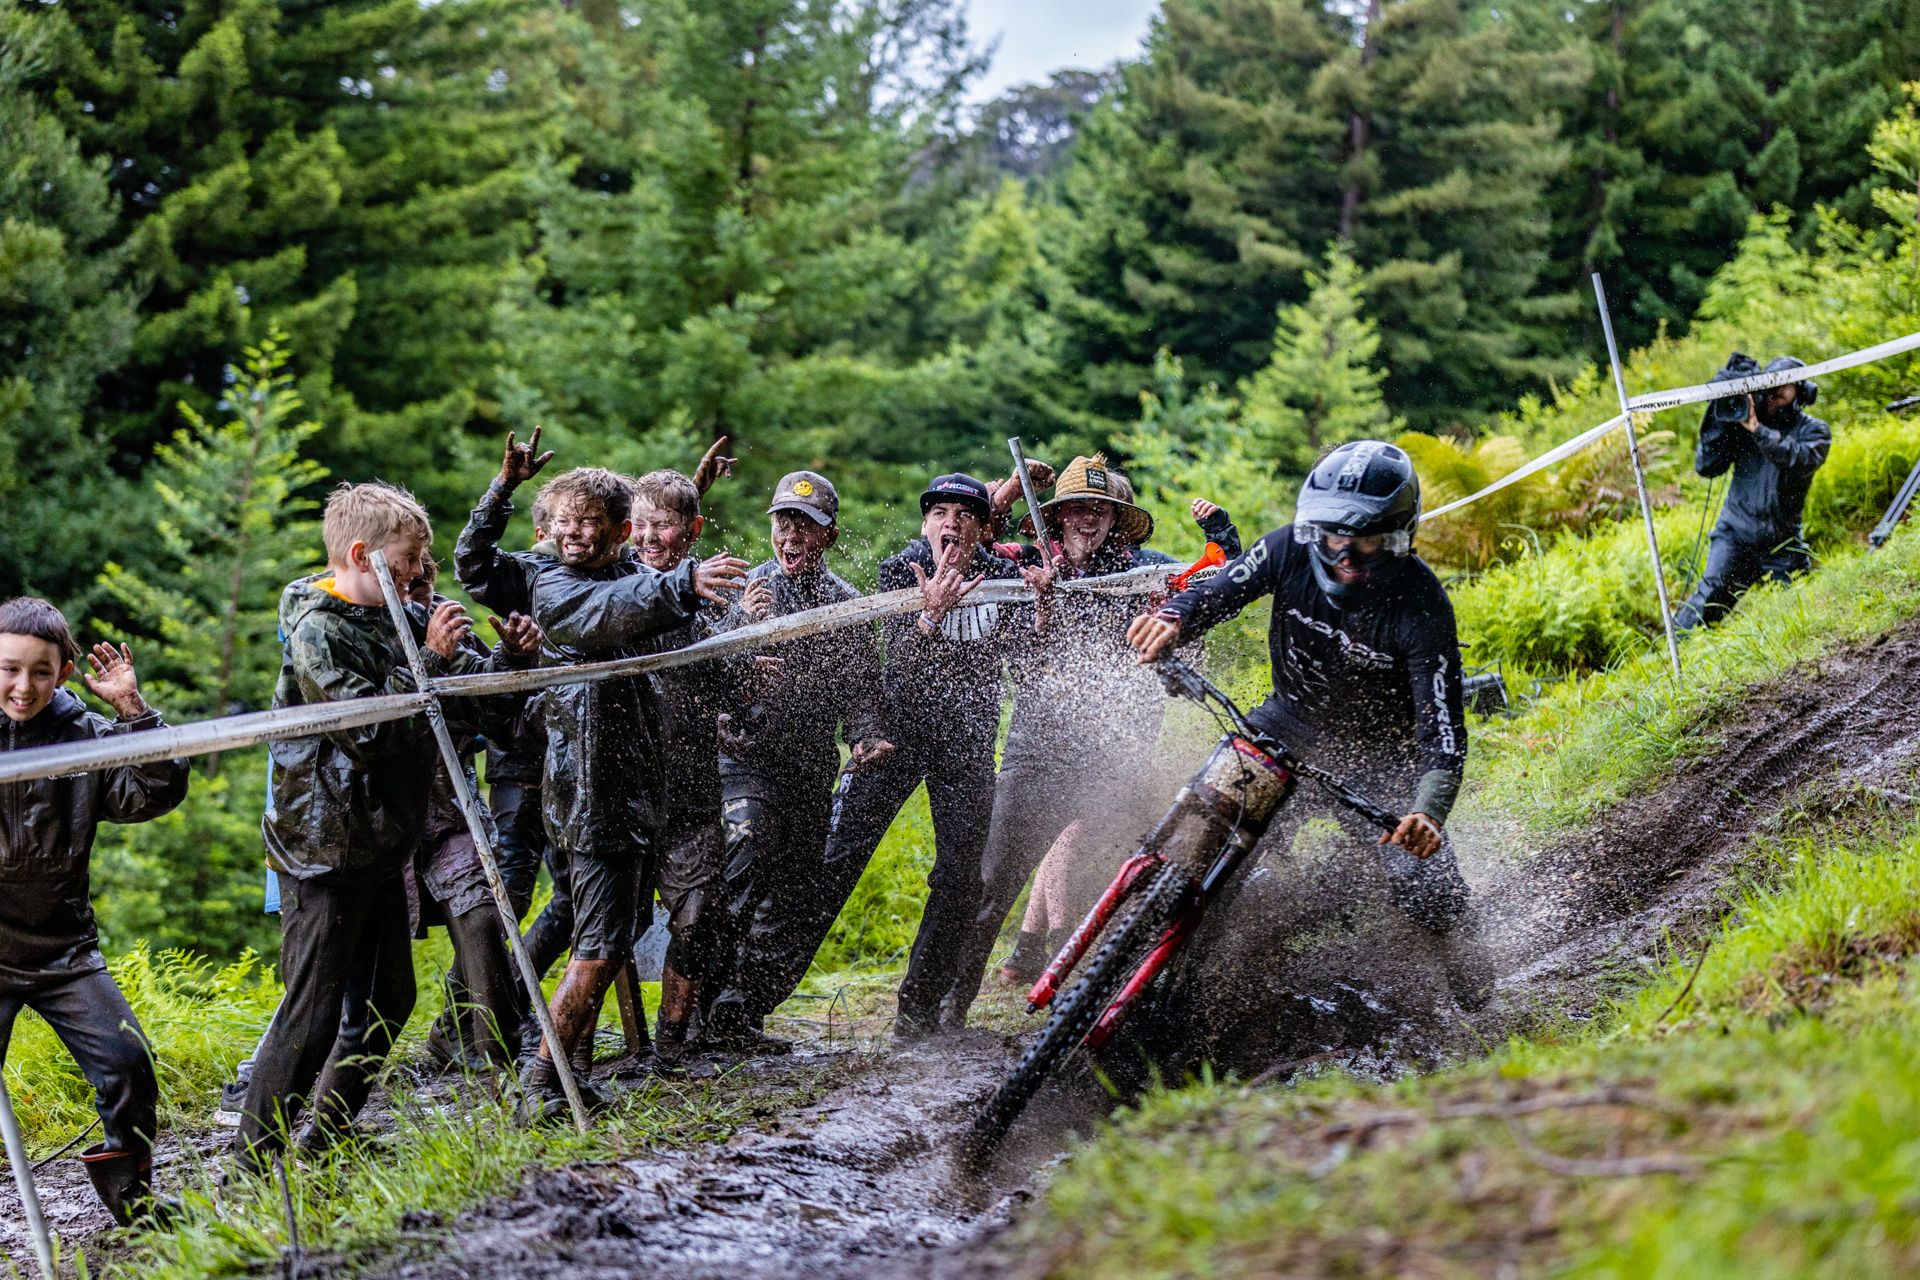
(1784, 1088)
(1586, 743)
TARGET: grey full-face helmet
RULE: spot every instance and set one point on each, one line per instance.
(1357, 513)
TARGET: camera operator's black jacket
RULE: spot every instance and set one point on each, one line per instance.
(1772, 470)
(1353, 689)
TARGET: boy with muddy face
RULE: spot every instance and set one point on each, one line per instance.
(1366, 677)
(50, 958)
(603, 787)
(667, 522)
(781, 761)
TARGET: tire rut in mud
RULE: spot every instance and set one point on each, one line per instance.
(835, 1187)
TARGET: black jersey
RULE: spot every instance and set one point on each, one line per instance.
(1352, 688)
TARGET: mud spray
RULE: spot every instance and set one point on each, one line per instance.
(1311, 971)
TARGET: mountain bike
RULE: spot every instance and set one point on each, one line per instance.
(1157, 900)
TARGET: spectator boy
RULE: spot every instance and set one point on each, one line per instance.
(50, 958)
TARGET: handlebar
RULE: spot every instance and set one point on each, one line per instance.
(1182, 681)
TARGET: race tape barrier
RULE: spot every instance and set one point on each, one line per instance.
(1655, 401)
(231, 733)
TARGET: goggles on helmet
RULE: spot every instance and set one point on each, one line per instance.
(1335, 543)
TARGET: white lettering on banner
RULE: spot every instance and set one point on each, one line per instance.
(1363, 654)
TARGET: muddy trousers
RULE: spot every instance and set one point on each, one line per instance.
(958, 773)
(774, 887)
(483, 991)
(1733, 567)
(551, 932)
(93, 1020)
(702, 931)
(336, 941)
(521, 841)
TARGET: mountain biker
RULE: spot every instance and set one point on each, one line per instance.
(1366, 676)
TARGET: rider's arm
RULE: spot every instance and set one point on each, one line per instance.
(1238, 585)
(1432, 645)
(1220, 530)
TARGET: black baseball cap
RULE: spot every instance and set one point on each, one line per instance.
(959, 487)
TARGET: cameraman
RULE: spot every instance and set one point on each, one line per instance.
(1773, 446)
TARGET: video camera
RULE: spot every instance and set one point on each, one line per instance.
(1731, 411)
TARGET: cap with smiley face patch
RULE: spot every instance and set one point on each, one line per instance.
(806, 491)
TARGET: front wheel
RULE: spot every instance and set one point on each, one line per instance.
(1074, 1013)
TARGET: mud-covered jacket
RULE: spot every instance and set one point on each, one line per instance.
(948, 685)
(828, 683)
(503, 582)
(692, 699)
(1357, 688)
(603, 791)
(349, 804)
(47, 829)
(1772, 471)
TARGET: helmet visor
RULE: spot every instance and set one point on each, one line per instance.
(1338, 544)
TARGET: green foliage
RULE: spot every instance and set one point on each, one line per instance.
(66, 318)
(236, 525)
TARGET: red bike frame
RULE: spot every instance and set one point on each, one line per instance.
(1202, 888)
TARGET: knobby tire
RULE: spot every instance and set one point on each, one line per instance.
(1074, 1013)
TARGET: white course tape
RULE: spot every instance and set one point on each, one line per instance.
(231, 733)
(1655, 401)
(1556, 454)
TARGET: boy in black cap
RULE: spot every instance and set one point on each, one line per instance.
(780, 763)
(942, 696)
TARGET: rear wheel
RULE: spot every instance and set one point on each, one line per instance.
(1074, 1013)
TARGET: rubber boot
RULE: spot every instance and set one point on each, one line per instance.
(124, 1182)
(679, 996)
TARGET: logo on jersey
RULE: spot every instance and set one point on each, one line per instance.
(1242, 570)
(1362, 655)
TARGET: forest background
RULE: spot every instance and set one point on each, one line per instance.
(251, 248)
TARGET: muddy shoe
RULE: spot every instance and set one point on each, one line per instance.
(1469, 967)
(232, 1105)
(1028, 960)
(910, 1027)
(636, 1068)
(749, 1042)
(446, 1057)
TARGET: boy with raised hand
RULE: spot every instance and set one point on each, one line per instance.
(348, 810)
(50, 958)
(503, 582)
(603, 785)
(780, 764)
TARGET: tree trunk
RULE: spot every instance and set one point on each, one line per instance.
(1359, 132)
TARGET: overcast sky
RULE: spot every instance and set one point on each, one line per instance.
(1040, 36)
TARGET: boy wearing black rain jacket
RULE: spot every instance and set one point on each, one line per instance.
(347, 812)
(50, 958)
(602, 791)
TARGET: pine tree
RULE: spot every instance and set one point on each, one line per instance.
(66, 319)
(1451, 144)
(236, 525)
(736, 249)
(355, 172)
(1320, 387)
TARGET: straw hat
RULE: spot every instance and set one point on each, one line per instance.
(1092, 478)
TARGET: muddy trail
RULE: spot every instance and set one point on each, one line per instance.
(856, 1178)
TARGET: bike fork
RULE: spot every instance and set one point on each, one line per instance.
(1049, 983)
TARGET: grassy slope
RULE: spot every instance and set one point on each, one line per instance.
(1781, 1090)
